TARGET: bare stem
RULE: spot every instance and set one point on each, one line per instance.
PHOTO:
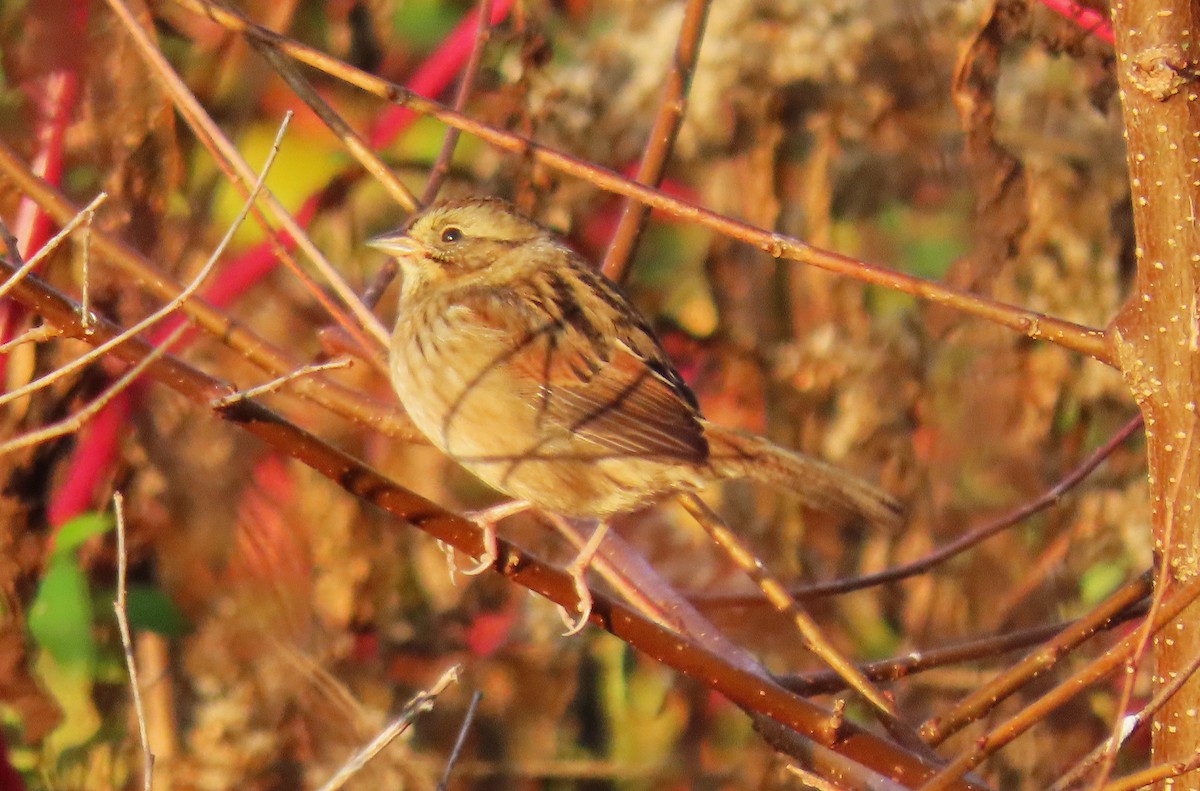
(357, 147)
(1038, 663)
(171, 306)
(959, 545)
(343, 401)
(813, 637)
(421, 703)
(461, 740)
(120, 608)
(672, 105)
(824, 682)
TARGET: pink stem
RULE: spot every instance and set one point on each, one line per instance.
(92, 459)
(57, 90)
(1090, 20)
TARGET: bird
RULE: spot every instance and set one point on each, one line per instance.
(525, 365)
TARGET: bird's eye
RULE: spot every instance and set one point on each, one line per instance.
(451, 234)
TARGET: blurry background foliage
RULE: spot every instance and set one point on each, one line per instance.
(288, 621)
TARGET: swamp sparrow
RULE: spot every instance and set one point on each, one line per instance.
(533, 371)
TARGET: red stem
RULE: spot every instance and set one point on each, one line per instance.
(1090, 20)
(57, 91)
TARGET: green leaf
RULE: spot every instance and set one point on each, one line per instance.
(421, 24)
(1100, 580)
(60, 618)
(150, 610)
(81, 528)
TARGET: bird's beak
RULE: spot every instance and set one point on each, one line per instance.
(397, 244)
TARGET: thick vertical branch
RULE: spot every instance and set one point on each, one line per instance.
(1157, 334)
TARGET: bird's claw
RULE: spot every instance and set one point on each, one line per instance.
(490, 550)
(486, 520)
(583, 607)
(577, 570)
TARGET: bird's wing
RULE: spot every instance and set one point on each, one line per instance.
(598, 374)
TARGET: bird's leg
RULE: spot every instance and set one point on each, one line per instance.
(487, 519)
(577, 569)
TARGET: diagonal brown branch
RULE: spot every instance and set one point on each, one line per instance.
(1046, 656)
(357, 147)
(230, 159)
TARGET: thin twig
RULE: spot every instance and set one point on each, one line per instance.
(45, 250)
(825, 681)
(85, 243)
(433, 75)
(441, 165)
(1166, 561)
(1152, 775)
(379, 283)
(78, 419)
(278, 382)
(628, 573)
(387, 273)
(119, 607)
(672, 105)
(1128, 726)
(38, 334)
(171, 306)
(421, 703)
(357, 147)
(344, 401)
(812, 635)
(463, 729)
(1069, 335)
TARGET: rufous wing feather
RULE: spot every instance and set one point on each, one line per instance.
(611, 390)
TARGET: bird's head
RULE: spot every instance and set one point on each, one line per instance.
(461, 242)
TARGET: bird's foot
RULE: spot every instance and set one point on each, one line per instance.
(487, 519)
(577, 569)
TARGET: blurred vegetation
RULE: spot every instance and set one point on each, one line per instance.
(279, 622)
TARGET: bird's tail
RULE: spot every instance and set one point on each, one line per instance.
(737, 454)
